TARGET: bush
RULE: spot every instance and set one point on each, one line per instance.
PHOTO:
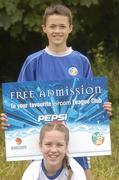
(106, 65)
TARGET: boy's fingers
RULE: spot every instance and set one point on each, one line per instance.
(108, 107)
(4, 126)
(3, 122)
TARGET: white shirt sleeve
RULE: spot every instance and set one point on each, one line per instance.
(32, 171)
(78, 172)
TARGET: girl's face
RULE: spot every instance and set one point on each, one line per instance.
(57, 28)
(53, 148)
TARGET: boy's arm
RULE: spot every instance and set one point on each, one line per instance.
(108, 107)
(3, 122)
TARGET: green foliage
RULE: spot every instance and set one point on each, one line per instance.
(99, 66)
(88, 3)
(106, 65)
(94, 20)
(10, 15)
(16, 16)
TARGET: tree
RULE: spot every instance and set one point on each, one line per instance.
(18, 16)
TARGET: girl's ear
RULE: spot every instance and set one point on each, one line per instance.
(67, 151)
(40, 147)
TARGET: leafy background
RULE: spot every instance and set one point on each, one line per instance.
(96, 34)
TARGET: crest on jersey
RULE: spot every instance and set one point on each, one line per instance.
(73, 71)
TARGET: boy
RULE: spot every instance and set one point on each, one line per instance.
(57, 61)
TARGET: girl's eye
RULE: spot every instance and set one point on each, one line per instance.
(60, 145)
(48, 144)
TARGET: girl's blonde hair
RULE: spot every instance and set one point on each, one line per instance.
(61, 128)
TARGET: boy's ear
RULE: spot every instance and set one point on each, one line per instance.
(43, 28)
(71, 28)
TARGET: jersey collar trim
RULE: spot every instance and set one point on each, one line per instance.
(54, 176)
(69, 51)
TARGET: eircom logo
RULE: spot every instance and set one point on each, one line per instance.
(52, 117)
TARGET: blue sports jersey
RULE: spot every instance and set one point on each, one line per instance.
(45, 65)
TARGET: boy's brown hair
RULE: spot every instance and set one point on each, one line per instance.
(58, 9)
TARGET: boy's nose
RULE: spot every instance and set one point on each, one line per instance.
(57, 29)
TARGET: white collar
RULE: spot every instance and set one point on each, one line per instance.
(61, 54)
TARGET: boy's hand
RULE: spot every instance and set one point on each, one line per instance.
(3, 122)
(108, 107)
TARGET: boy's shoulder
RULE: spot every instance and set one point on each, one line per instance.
(78, 53)
(35, 54)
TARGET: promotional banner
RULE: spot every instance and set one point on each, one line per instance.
(76, 102)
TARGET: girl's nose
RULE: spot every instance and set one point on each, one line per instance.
(53, 148)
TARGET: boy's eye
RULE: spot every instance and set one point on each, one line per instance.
(52, 26)
(62, 27)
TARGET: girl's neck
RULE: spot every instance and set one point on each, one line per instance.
(52, 170)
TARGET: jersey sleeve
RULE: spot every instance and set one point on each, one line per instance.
(27, 72)
(28, 173)
(87, 69)
(32, 171)
(77, 170)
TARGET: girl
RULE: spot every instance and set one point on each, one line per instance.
(55, 165)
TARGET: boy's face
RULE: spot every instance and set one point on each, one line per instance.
(57, 29)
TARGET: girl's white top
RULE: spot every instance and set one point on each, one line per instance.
(35, 172)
